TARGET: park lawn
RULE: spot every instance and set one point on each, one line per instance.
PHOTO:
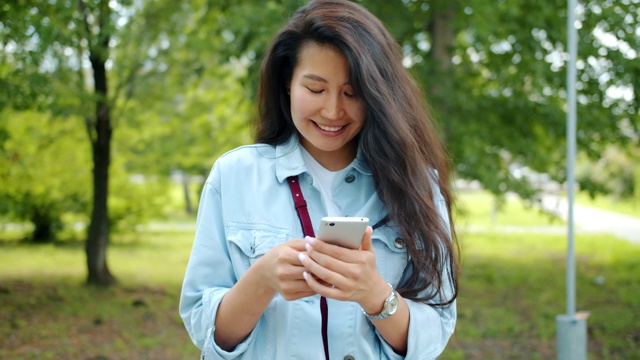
(512, 287)
(46, 312)
(629, 206)
(481, 209)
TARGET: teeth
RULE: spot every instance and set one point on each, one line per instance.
(329, 128)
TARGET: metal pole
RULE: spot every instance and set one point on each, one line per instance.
(571, 328)
(571, 154)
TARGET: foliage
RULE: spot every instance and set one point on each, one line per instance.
(498, 91)
(504, 96)
(135, 200)
(44, 161)
(614, 173)
(44, 170)
(629, 207)
(180, 83)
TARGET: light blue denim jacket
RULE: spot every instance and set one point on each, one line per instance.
(245, 210)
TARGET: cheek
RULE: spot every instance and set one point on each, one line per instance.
(357, 112)
(301, 106)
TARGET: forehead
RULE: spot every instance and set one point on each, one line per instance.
(322, 60)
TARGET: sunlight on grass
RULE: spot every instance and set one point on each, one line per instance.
(145, 258)
(158, 258)
(481, 208)
(629, 207)
(512, 286)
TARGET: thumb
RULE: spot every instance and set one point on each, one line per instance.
(367, 243)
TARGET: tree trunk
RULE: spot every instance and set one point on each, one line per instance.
(100, 134)
(98, 237)
(44, 225)
(187, 196)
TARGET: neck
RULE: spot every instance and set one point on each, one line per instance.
(332, 160)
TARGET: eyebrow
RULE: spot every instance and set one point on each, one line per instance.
(319, 78)
(315, 78)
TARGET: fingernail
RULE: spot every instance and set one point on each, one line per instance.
(308, 247)
(305, 275)
(302, 257)
(309, 240)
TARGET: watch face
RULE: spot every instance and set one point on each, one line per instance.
(392, 304)
(389, 308)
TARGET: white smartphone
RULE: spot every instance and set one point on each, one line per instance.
(344, 231)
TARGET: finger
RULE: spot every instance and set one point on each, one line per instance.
(295, 286)
(322, 259)
(290, 296)
(320, 272)
(367, 242)
(296, 244)
(324, 289)
(332, 251)
(291, 272)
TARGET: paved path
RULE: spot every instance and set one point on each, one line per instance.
(589, 219)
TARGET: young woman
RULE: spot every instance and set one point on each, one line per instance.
(341, 118)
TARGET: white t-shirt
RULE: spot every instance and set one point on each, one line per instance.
(324, 178)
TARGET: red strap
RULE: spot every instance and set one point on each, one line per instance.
(301, 206)
(324, 310)
(307, 228)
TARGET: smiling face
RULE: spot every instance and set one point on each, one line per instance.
(325, 110)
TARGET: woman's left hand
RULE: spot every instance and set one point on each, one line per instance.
(345, 274)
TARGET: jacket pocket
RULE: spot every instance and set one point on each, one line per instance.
(247, 245)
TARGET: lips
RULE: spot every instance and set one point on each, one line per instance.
(330, 128)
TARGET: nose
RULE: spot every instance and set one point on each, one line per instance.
(333, 108)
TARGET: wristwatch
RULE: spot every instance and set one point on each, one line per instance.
(389, 308)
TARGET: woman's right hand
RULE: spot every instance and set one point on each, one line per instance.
(279, 270)
(282, 270)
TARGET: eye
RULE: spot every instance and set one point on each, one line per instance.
(315, 91)
(349, 94)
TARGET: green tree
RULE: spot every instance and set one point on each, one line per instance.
(34, 184)
(61, 54)
(176, 81)
(67, 44)
(148, 69)
(191, 105)
(495, 72)
(495, 75)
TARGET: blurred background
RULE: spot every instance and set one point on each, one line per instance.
(113, 112)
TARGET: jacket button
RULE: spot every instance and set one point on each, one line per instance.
(399, 243)
(349, 357)
(350, 178)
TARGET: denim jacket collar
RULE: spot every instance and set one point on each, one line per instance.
(289, 160)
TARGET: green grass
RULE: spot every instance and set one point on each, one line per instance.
(512, 287)
(48, 313)
(629, 207)
(480, 208)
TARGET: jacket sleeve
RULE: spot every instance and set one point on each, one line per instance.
(209, 275)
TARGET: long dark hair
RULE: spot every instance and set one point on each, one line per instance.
(398, 139)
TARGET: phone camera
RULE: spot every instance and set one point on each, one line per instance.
(332, 224)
